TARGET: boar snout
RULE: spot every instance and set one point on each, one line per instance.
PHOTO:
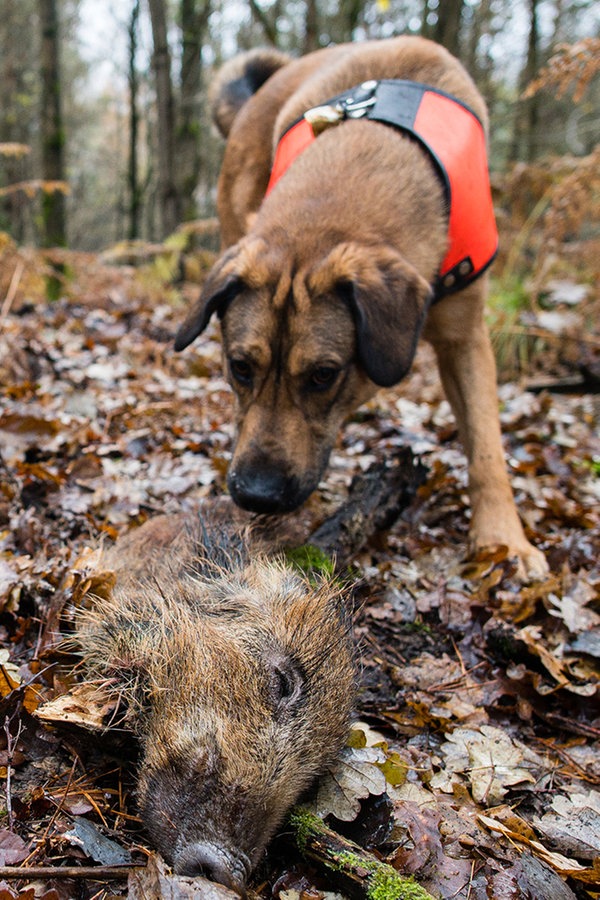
(215, 863)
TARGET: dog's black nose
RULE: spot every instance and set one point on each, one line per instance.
(265, 490)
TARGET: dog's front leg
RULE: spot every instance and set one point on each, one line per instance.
(459, 335)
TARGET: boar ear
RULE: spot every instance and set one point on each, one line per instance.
(389, 301)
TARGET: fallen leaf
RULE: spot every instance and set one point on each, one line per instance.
(529, 877)
(85, 705)
(13, 849)
(563, 291)
(354, 775)
(155, 881)
(561, 864)
(572, 607)
(491, 761)
(573, 824)
(8, 579)
(96, 845)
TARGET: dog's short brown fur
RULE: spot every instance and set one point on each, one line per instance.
(323, 287)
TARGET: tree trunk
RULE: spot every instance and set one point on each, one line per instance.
(350, 15)
(527, 115)
(194, 23)
(16, 113)
(480, 69)
(531, 69)
(311, 27)
(265, 22)
(51, 127)
(134, 199)
(446, 27)
(168, 199)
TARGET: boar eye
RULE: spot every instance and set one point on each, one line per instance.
(286, 685)
(241, 371)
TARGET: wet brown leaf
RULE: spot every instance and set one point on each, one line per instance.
(87, 705)
(490, 760)
(155, 881)
(13, 849)
(572, 826)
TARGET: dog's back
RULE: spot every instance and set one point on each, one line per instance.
(340, 66)
(258, 94)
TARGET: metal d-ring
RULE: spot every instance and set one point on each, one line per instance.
(361, 100)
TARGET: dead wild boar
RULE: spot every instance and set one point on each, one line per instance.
(238, 675)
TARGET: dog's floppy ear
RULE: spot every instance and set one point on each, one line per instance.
(230, 275)
(389, 301)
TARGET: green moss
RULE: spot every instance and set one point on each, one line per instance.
(594, 465)
(384, 882)
(304, 823)
(416, 628)
(310, 560)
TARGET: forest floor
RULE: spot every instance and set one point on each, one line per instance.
(478, 696)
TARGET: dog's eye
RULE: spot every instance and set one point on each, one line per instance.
(322, 378)
(241, 370)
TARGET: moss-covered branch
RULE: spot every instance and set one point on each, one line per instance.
(358, 873)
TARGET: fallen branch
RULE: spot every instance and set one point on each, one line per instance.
(587, 382)
(375, 500)
(357, 873)
(96, 873)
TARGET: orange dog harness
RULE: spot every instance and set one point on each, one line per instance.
(454, 138)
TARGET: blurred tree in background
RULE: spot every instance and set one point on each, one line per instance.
(130, 112)
(52, 135)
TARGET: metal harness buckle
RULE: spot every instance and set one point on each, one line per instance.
(354, 106)
(360, 101)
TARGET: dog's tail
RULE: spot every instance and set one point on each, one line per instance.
(238, 79)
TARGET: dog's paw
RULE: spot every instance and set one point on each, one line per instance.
(531, 562)
(532, 565)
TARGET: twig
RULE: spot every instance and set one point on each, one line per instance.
(96, 873)
(568, 760)
(571, 725)
(269, 29)
(62, 801)
(549, 336)
(11, 743)
(12, 291)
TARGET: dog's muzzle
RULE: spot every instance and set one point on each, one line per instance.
(266, 489)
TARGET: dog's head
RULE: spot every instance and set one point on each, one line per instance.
(304, 344)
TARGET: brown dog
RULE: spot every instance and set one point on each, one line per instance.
(327, 283)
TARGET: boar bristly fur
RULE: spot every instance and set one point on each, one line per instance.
(238, 675)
